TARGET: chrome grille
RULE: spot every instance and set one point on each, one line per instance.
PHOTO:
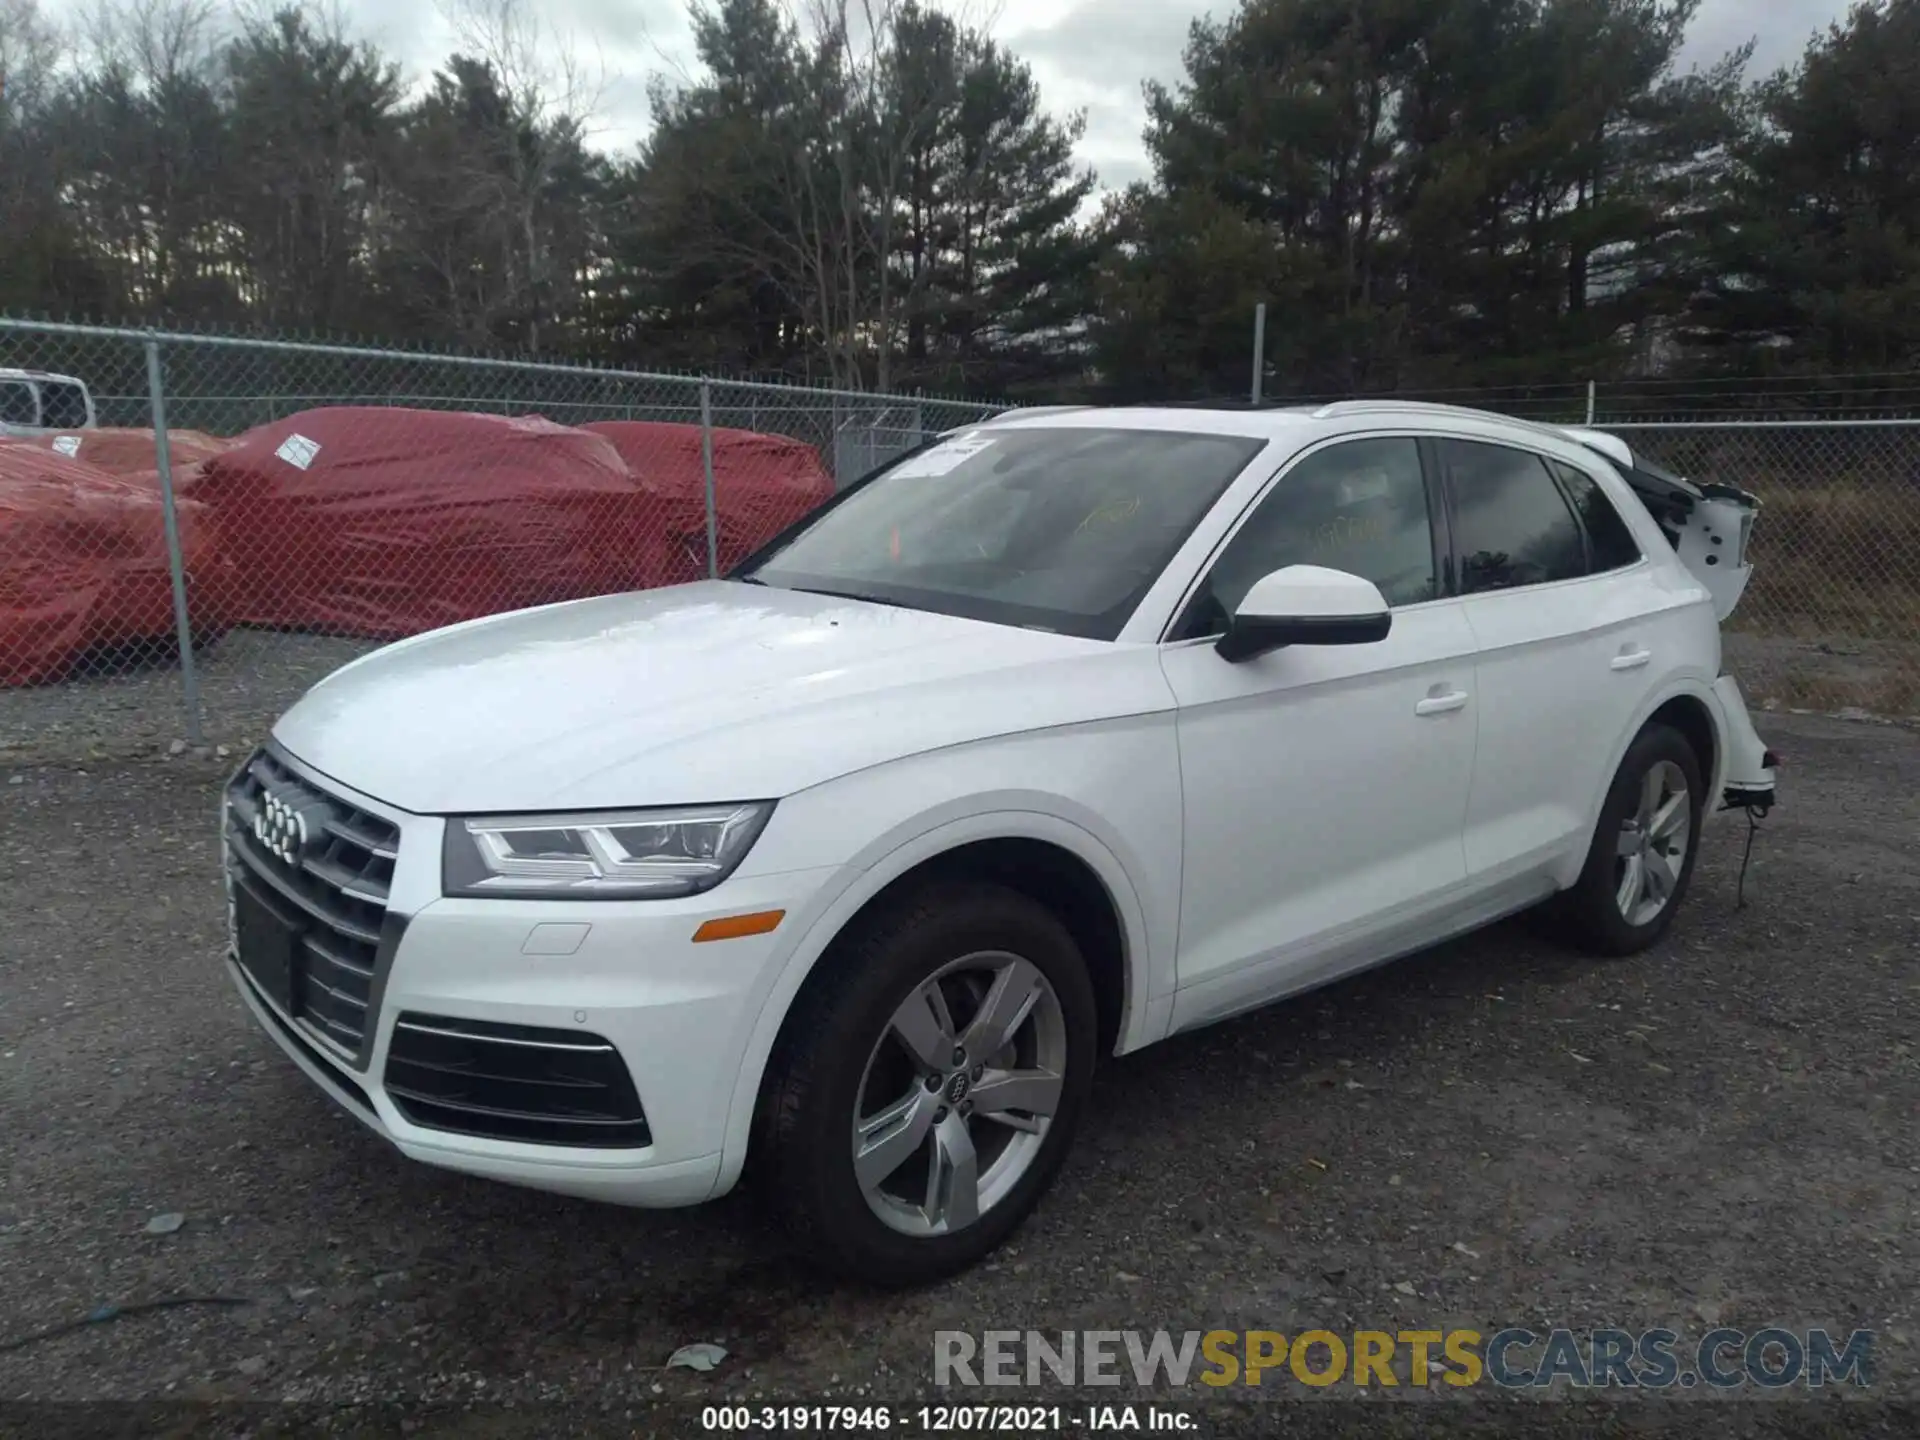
(329, 881)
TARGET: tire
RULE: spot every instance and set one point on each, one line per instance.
(1596, 914)
(852, 1068)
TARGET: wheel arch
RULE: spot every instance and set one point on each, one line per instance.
(1048, 858)
(1689, 705)
(1695, 719)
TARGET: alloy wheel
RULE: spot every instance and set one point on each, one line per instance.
(958, 1093)
(1653, 845)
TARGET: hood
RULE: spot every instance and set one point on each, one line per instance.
(690, 695)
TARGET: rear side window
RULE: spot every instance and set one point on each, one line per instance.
(17, 406)
(1612, 544)
(62, 406)
(1512, 525)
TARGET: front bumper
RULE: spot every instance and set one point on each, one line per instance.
(678, 1014)
(629, 1177)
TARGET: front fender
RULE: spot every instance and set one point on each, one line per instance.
(867, 875)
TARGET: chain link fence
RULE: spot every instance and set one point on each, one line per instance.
(309, 503)
(247, 515)
(1831, 618)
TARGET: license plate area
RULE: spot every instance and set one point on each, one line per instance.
(267, 946)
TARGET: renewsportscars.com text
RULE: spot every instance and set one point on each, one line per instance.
(1514, 1358)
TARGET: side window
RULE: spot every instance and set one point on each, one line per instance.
(1511, 524)
(1359, 507)
(17, 405)
(1612, 543)
(65, 405)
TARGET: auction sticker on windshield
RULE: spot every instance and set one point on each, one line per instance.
(947, 455)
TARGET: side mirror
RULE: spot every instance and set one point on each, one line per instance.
(1305, 605)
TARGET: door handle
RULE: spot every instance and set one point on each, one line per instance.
(1631, 659)
(1442, 704)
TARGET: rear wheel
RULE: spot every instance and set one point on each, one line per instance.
(1641, 858)
(927, 1084)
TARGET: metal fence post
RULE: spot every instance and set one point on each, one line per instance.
(176, 565)
(833, 441)
(1259, 348)
(706, 459)
(1592, 388)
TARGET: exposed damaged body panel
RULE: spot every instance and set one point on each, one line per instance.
(1709, 525)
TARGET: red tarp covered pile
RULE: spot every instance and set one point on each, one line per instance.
(83, 563)
(383, 522)
(131, 452)
(761, 485)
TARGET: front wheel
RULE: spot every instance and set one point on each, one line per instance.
(927, 1084)
(1641, 858)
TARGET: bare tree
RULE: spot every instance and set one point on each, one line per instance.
(156, 42)
(149, 151)
(838, 161)
(30, 54)
(553, 98)
(30, 51)
(889, 110)
(311, 115)
(787, 133)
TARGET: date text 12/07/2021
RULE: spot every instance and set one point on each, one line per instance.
(944, 1419)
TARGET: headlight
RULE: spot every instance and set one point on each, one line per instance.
(629, 855)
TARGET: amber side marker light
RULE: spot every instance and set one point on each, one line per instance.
(736, 927)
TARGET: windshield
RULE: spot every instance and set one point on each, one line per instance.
(1053, 529)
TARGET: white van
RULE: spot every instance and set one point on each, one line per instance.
(33, 402)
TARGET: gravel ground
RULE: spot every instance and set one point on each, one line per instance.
(246, 679)
(1490, 1133)
(1829, 673)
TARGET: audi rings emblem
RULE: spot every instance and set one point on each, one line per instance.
(280, 827)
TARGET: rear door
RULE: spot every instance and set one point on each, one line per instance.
(1568, 637)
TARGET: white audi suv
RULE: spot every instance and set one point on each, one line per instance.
(1053, 738)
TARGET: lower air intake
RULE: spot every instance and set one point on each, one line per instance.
(513, 1082)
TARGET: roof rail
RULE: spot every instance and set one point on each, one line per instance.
(1422, 407)
(1027, 412)
(1611, 446)
(1226, 404)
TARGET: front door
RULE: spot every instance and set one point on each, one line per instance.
(1324, 787)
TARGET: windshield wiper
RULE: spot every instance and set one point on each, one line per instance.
(854, 595)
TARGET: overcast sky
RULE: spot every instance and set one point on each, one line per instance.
(1091, 55)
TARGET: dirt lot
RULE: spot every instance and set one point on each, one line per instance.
(1720, 1132)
